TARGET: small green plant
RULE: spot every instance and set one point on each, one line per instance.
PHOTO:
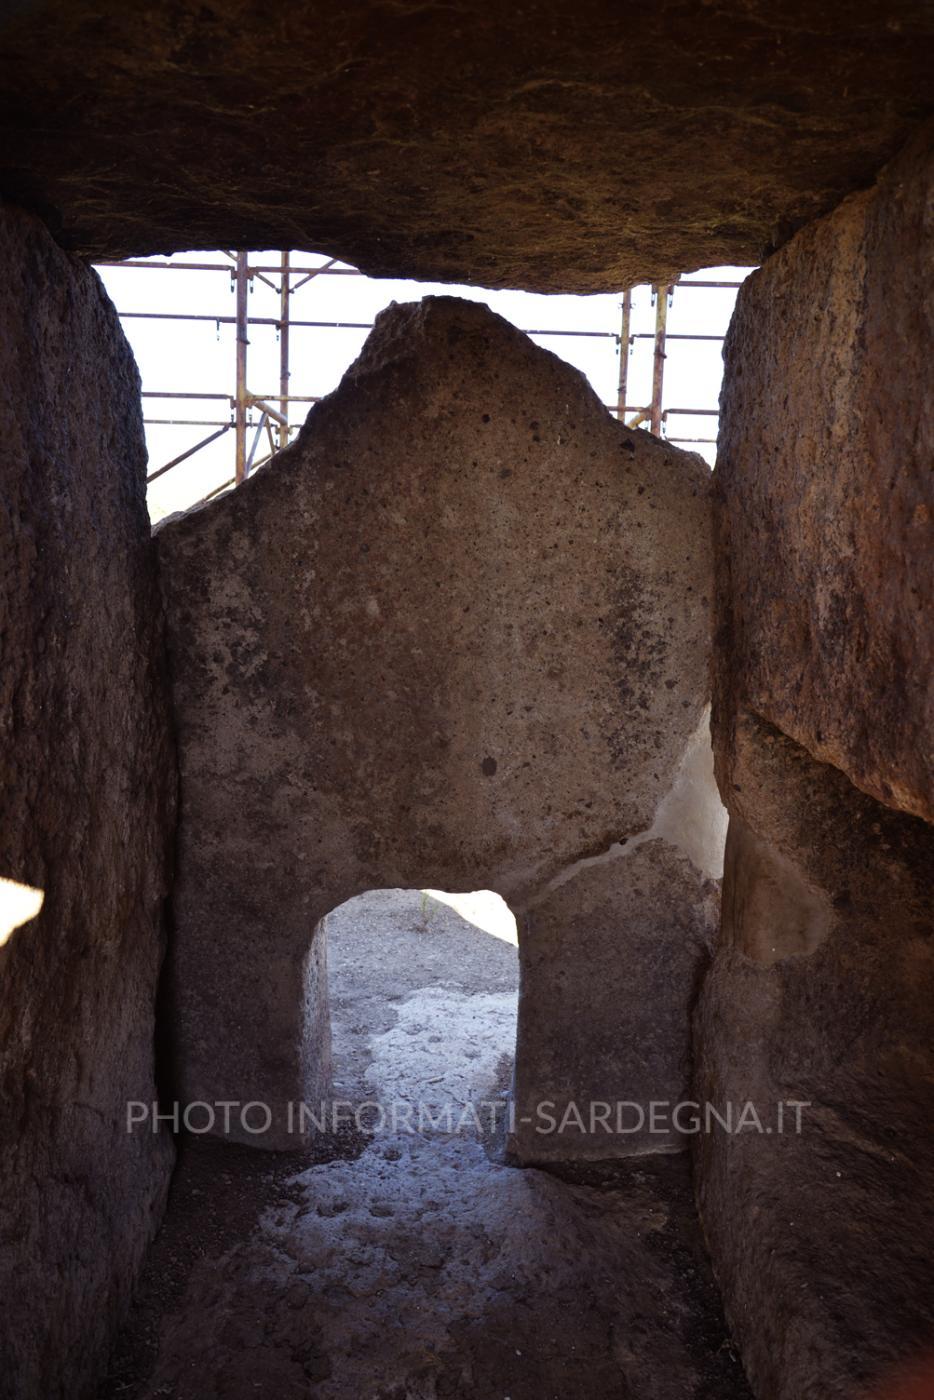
(423, 910)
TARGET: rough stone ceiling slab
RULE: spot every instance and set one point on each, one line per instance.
(548, 145)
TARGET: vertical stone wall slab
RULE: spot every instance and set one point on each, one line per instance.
(822, 986)
(826, 518)
(86, 785)
(822, 993)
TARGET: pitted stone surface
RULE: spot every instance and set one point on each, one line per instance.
(87, 782)
(557, 145)
(456, 636)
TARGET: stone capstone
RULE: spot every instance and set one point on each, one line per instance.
(456, 636)
(555, 146)
(87, 778)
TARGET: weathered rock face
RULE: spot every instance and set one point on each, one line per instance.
(612, 957)
(456, 636)
(822, 993)
(86, 773)
(823, 986)
(826, 516)
(557, 146)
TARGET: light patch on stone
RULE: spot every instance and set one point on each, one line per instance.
(18, 904)
(691, 815)
(484, 909)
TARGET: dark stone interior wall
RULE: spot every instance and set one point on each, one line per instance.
(87, 783)
(823, 985)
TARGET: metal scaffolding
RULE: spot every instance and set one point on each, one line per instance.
(251, 416)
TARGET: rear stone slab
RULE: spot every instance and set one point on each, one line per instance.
(456, 636)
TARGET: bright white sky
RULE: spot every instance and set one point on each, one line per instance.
(188, 357)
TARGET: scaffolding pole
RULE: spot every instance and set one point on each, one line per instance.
(274, 408)
(624, 344)
(284, 293)
(242, 281)
(662, 294)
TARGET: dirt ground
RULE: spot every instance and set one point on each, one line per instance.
(409, 1262)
